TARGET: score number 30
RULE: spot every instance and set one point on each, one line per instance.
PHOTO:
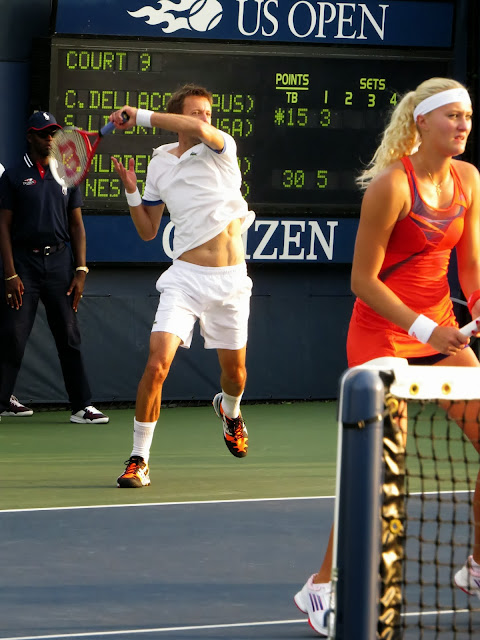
(298, 179)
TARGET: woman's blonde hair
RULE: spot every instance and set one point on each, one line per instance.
(401, 137)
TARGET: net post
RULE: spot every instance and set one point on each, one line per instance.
(358, 519)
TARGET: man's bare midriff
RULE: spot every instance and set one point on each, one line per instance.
(224, 250)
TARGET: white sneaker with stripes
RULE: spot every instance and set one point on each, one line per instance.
(468, 579)
(314, 600)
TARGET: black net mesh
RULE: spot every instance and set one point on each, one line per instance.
(429, 528)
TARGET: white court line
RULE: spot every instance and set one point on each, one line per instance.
(193, 502)
(164, 504)
(96, 634)
(426, 613)
(100, 634)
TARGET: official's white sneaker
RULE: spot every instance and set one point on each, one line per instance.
(89, 415)
(468, 579)
(314, 600)
(16, 409)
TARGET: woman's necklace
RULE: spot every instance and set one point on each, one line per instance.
(437, 185)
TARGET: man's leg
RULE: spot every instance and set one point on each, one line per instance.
(233, 376)
(15, 328)
(62, 321)
(163, 347)
(227, 403)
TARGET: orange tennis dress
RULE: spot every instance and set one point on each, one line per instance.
(415, 269)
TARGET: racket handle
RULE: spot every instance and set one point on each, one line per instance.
(110, 126)
(472, 328)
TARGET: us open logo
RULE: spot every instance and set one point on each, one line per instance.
(193, 15)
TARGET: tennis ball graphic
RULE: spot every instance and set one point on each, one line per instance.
(205, 15)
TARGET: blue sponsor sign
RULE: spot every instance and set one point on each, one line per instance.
(388, 23)
(113, 239)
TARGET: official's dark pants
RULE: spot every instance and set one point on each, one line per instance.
(45, 278)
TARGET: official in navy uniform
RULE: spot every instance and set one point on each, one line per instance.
(43, 248)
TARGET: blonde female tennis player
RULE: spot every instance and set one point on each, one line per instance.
(420, 202)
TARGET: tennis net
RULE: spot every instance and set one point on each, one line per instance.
(404, 520)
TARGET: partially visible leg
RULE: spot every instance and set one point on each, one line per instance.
(227, 403)
(163, 347)
(314, 597)
(325, 572)
(15, 328)
(233, 378)
(467, 416)
(62, 321)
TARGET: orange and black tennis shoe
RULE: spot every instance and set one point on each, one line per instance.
(235, 432)
(135, 475)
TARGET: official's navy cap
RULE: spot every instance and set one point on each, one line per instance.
(42, 120)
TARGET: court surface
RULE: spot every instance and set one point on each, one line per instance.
(214, 549)
(198, 570)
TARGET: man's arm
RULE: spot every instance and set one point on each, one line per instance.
(6, 242)
(146, 219)
(78, 242)
(13, 284)
(178, 123)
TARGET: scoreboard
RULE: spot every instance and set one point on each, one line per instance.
(305, 123)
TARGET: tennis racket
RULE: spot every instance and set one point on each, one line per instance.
(72, 152)
(471, 329)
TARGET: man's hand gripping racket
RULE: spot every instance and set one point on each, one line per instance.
(72, 152)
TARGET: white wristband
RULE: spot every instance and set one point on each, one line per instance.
(134, 199)
(422, 328)
(144, 118)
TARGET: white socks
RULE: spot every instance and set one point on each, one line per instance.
(231, 404)
(143, 431)
(142, 438)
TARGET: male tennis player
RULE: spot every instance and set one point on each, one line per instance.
(198, 179)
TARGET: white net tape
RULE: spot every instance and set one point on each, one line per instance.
(428, 382)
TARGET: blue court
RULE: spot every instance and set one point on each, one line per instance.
(224, 570)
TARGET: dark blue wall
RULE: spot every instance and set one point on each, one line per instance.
(300, 312)
(298, 328)
(22, 20)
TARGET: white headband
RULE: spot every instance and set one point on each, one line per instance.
(441, 99)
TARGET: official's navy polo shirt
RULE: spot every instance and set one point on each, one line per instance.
(39, 204)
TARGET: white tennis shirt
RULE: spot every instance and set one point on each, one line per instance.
(201, 190)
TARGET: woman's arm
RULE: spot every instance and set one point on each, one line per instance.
(386, 200)
(468, 248)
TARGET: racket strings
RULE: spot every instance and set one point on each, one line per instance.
(70, 151)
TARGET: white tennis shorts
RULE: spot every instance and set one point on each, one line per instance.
(218, 297)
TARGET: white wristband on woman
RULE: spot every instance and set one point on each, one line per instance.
(134, 199)
(422, 328)
(144, 118)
